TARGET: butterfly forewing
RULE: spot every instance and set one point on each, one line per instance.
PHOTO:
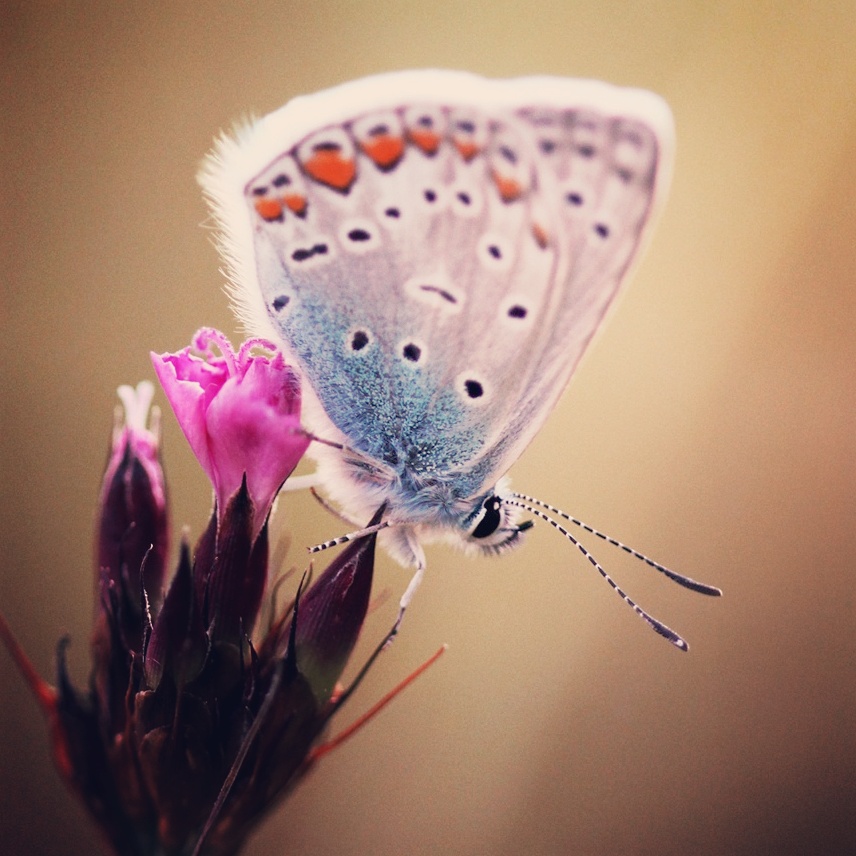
(436, 251)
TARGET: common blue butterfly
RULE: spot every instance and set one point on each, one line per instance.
(435, 251)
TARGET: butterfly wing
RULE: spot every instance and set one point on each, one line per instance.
(436, 251)
(601, 173)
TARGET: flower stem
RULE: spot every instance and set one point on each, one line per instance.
(354, 727)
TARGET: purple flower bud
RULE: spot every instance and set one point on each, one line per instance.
(131, 548)
(232, 579)
(330, 615)
(133, 526)
(240, 414)
(178, 644)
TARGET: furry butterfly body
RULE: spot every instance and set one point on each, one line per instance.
(435, 251)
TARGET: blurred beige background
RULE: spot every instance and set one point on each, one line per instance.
(712, 425)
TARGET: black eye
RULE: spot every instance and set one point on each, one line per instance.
(490, 519)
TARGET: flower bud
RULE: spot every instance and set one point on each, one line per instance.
(131, 547)
(133, 528)
(178, 644)
(330, 615)
(238, 572)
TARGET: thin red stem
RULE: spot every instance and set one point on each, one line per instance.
(44, 693)
(354, 727)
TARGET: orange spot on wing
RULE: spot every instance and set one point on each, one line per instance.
(540, 235)
(295, 203)
(329, 167)
(509, 188)
(384, 149)
(428, 141)
(467, 148)
(269, 209)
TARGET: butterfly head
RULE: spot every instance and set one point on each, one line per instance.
(492, 526)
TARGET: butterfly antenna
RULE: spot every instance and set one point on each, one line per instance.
(351, 536)
(324, 442)
(658, 626)
(680, 579)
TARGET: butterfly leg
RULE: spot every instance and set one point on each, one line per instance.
(412, 586)
(300, 483)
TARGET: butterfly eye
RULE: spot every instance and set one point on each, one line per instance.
(493, 528)
(488, 519)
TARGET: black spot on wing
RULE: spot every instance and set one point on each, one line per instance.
(436, 289)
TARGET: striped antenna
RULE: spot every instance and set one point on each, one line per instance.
(419, 559)
(658, 626)
(350, 536)
(680, 579)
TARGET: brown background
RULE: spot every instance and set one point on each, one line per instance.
(712, 425)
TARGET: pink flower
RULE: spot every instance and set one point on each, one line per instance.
(240, 414)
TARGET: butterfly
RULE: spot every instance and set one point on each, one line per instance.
(435, 251)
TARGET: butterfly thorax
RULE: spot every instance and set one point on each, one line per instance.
(419, 506)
